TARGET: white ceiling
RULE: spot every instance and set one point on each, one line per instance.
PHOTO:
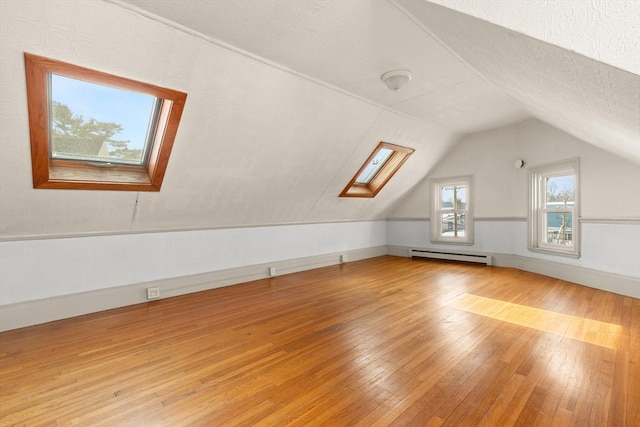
(469, 74)
(593, 101)
(350, 44)
(607, 31)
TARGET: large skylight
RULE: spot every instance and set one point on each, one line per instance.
(95, 131)
(381, 165)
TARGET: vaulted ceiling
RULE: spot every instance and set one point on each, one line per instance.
(285, 98)
(477, 64)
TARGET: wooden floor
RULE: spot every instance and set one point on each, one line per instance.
(385, 341)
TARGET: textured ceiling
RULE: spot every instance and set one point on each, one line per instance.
(605, 30)
(593, 101)
(350, 44)
(542, 59)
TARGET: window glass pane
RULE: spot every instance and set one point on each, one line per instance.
(374, 166)
(460, 225)
(560, 191)
(448, 225)
(93, 122)
(446, 198)
(559, 228)
(453, 225)
(461, 197)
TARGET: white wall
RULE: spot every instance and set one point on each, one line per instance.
(37, 269)
(610, 248)
(610, 185)
(610, 198)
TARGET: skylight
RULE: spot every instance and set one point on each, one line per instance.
(96, 131)
(381, 165)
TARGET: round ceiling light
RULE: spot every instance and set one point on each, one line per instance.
(396, 79)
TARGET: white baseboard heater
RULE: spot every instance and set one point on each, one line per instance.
(451, 255)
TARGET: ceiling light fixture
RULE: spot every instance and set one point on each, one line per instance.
(396, 79)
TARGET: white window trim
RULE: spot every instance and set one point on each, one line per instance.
(537, 208)
(435, 223)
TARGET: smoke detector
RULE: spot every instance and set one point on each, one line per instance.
(396, 79)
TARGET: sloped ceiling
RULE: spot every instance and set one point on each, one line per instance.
(349, 45)
(285, 103)
(573, 64)
(591, 100)
(607, 31)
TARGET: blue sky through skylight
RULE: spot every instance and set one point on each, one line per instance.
(106, 104)
(374, 166)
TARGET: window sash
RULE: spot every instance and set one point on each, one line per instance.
(543, 236)
(543, 231)
(454, 223)
(457, 232)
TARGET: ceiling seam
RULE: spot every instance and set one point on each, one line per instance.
(263, 60)
(343, 165)
(424, 28)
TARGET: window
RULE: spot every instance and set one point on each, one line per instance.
(381, 165)
(96, 131)
(553, 209)
(451, 214)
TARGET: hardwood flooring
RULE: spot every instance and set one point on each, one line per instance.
(381, 342)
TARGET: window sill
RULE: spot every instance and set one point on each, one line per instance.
(90, 178)
(452, 242)
(359, 191)
(545, 251)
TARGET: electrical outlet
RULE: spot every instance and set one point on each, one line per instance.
(343, 258)
(153, 293)
(272, 271)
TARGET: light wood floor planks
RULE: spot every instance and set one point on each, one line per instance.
(381, 342)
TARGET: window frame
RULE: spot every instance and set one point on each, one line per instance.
(51, 173)
(369, 190)
(537, 215)
(437, 211)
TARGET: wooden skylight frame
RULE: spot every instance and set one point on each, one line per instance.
(49, 173)
(384, 173)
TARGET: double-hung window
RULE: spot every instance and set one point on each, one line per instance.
(451, 213)
(554, 209)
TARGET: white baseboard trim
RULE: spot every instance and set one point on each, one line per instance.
(28, 313)
(610, 282)
(34, 312)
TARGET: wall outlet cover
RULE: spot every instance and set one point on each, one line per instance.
(153, 293)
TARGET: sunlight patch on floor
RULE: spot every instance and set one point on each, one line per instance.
(578, 328)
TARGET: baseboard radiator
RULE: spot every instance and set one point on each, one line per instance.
(451, 255)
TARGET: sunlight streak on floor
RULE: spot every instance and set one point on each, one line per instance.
(578, 328)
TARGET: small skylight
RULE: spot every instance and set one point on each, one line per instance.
(381, 165)
(374, 166)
